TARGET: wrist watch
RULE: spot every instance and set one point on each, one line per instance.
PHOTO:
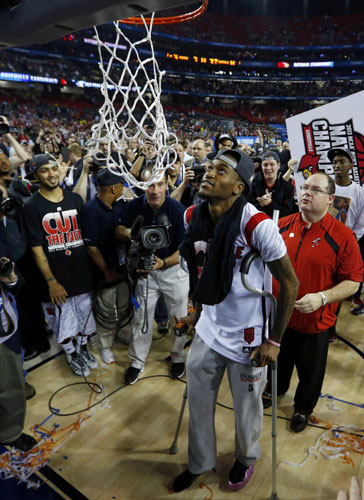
(323, 297)
(164, 264)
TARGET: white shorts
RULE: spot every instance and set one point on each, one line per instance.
(71, 318)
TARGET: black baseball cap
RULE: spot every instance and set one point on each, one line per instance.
(109, 177)
(36, 162)
(244, 166)
(339, 151)
(271, 154)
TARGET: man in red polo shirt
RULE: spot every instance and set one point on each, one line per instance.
(326, 258)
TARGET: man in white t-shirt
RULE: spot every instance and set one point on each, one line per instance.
(230, 320)
(348, 204)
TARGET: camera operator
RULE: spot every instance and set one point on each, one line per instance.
(98, 229)
(165, 278)
(187, 191)
(12, 392)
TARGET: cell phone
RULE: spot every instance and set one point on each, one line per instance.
(65, 152)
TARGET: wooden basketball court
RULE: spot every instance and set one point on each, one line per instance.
(122, 451)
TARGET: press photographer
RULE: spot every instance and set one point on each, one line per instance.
(166, 277)
(12, 392)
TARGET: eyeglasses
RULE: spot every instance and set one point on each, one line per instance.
(313, 190)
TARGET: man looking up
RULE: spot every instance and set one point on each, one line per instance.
(349, 201)
(229, 320)
(51, 225)
(326, 258)
(269, 191)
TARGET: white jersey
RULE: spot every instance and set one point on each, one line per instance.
(236, 325)
(349, 207)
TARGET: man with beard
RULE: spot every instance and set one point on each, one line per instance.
(229, 321)
(51, 225)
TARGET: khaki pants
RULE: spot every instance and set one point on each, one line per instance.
(12, 395)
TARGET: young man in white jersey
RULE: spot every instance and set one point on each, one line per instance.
(348, 204)
(229, 320)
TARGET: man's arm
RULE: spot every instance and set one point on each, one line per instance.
(123, 233)
(82, 183)
(57, 292)
(313, 301)
(99, 260)
(178, 192)
(283, 272)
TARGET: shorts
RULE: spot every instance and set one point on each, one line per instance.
(73, 317)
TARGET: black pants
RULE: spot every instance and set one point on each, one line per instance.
(308, 352)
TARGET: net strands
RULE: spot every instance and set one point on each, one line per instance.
(190, 16)
(132, 107)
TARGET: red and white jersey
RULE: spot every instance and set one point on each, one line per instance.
(234, 326)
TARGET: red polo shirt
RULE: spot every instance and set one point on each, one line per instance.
(322, 257)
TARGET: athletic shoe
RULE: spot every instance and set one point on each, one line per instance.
(107, 356)
(239, 475)
(77, 364)
(298, 422)
(177, 370)
(163, 327)
(131, 375)
(23, 443)
(184, 481)
(356, 301)
(29, 391)
(357, 310)
(88, 357)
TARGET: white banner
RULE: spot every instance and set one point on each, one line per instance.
(313, 133)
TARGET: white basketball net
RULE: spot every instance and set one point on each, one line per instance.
(131, 88)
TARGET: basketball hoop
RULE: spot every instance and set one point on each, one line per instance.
(132, 109)
(182, 18)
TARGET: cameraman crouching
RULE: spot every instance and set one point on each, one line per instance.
(165, 278)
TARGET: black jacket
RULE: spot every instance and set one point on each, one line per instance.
(282, 196)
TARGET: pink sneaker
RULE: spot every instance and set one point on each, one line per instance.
(239, 475)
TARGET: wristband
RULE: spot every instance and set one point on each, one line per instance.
(323, 297)
(164, 264)
(50, 279)
(273, 342)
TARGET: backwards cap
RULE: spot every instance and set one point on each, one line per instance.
(244, 166)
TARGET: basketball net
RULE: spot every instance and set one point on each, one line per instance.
(132, 109)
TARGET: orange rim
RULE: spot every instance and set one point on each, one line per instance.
(190, 16)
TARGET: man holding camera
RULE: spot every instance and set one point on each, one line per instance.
(166, 277)
(12, 392)
(51, 225)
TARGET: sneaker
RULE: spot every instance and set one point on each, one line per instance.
(239, 475)
(298, 422)
(177, 370)
(163, 327)
(131, 375)
(356, 301)
(184, 481)
(107, 356)
(88, 357)
(357, 310)
(29, 391)
(23, 443)
(77, 364)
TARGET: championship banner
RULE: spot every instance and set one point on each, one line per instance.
(313, 133)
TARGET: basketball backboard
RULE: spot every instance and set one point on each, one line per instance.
(37, 21)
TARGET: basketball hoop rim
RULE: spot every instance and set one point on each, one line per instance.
(182, 18)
